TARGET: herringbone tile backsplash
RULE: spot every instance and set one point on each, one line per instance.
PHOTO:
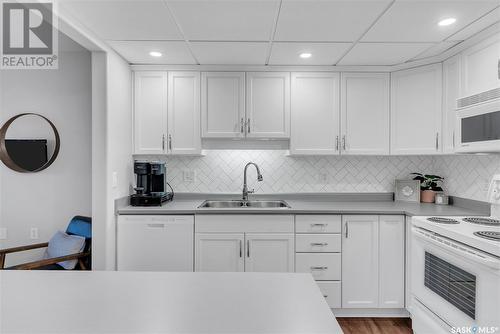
(221, 171)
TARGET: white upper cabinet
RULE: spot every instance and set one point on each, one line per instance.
(272, 253)
(223, 104)
(167, 113)
(365, 113)
(150, 112)
(451, 92)
(315, 108)
(480, 67)
(184, 113)
(268, 104)
(416, 110)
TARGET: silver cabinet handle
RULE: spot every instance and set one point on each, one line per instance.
(242, 125)
(336, 143)
(156, 225)
(346, 230)
(163, 142)
(170, 142)
(437, 141)
(319, 268)
(322, 225)
(343, 142)
(319, 243)
(241, 248)
(248, 125)
(248, 248)
(326, 296)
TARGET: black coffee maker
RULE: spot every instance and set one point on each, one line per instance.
(150, 184)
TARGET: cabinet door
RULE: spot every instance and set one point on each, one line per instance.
(392, 262)
(184, 113)
(272, 253)
(416, 110)
(480, 70)
(219, 252)
(315, 113)
(451, 89)
(223, 104)
(155, 243)
(150, 112)
(268, 104)
(365, 113)
(360, 267)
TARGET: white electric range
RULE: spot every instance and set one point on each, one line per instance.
(455, 272)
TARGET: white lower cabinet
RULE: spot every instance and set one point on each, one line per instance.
(318, 251)
(373, 261)
(155, 243)
(332, 292)
(219, 252)
(252, 243)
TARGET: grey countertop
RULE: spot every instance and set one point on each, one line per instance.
(311, 203)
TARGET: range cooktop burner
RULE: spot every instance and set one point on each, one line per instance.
(443, 220)
(491, 235)
(482, 221)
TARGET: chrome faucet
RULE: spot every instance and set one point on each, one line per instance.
(245, 187)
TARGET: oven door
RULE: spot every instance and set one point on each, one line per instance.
(459, 284)
(478, 128)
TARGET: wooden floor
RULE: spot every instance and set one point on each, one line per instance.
(375, 325)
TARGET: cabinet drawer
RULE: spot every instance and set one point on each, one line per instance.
(323, 267)
(318, 223)
(317, 243)
(332, 293)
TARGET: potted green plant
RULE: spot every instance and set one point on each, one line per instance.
(429, 185)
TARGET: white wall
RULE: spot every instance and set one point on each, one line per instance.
(49, 199)
(119, 145)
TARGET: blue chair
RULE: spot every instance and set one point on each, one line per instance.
(79, 225)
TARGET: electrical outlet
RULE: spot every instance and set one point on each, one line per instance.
(323, 177)
(34, 233)
(189, 176)
(3, 233)
(114, 180)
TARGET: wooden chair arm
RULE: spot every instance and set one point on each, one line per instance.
(23, 248)
(41, 263)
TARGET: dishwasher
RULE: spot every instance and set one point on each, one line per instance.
(155, 243)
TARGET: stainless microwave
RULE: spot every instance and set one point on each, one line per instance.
(478, 128)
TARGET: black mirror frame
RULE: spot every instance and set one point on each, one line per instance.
(4, 154)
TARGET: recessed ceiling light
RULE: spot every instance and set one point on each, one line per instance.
(155, 54)
(447, 21)
(305, 55)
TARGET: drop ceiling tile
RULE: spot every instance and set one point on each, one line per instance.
(382, 53)
(417, 21)
(137, 52)
(475, 27)
(125, 20)
(241, 20)
(284, 53)
(323, 21)
(436, 49)
(231, 53)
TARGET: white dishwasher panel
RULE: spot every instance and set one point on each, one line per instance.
(155, 243)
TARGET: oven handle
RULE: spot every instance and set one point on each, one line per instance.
(463, 250)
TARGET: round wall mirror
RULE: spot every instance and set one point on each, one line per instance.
(29, 143)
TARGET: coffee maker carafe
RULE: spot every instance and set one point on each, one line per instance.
(150, 184)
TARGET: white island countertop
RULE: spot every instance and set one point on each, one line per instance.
(146, 302)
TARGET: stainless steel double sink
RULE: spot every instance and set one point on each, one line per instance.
(233, 204)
